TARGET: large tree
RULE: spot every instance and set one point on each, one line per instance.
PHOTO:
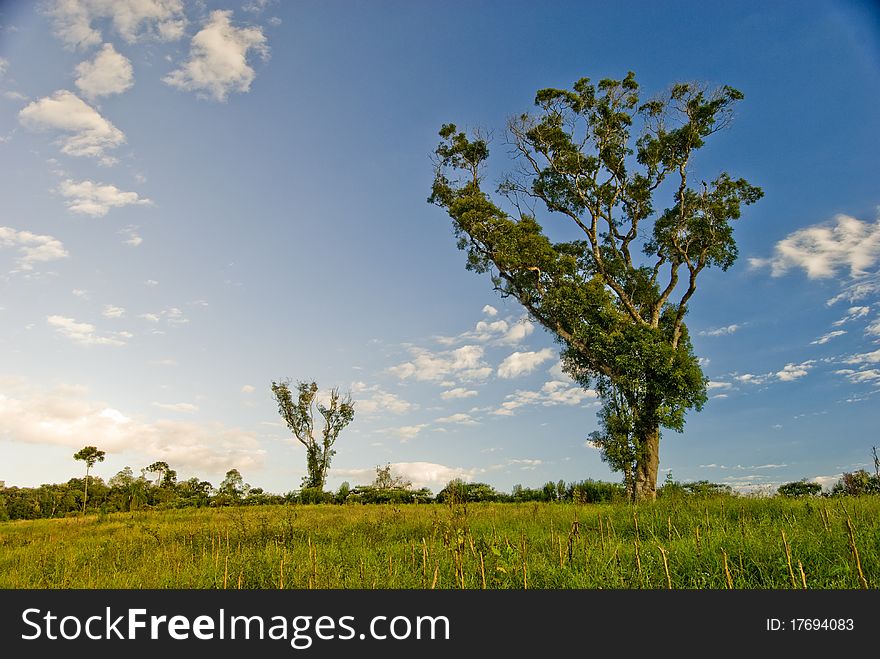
(90, 455)
(299, 415)
(616, 289)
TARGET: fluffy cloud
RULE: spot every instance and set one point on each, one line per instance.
(864, 358)
(465, 363)
(554, 392)
(171, 315)
(489, 310)
(871, 375)
(108, 73)
(132, 19)
(111, 311)
(218, 64)
(823, 250)
(521, 363)
(64, 416)
(248, 389)
(458, 392)
(792, 372)
(370, 400)
(85, 333)
(495, 332)
(406, 433)
(89, 134)
(32, 248)
(718, 385)
(96, 199)
(132, 237)
(460, 418)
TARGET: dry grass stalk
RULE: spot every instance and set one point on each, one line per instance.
(788, 560)
(665, 567)
(225, 571)
(855, 552)
(482, 571)
(728, 577)
(436, 575)
(803, 576)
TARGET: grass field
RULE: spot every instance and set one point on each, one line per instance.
(721, 542)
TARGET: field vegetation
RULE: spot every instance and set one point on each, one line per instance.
(683, 540)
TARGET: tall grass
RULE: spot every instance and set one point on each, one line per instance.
(720, 542)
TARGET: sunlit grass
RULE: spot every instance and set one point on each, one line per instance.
(721, 542)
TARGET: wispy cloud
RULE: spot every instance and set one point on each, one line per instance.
(720, 331)
(465, 363)
(85, 333)
(554, 392)
(825, 338)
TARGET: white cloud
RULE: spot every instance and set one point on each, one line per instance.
(465, 363)
(133, 20)
(853, 313)
(791, 372)
(823, 250)
(517, 332)
(752, 378)
(825, 338)
(864, 358)
(32, 248)
(525, 464)
(14, 96)
(460, 418)
(495, 332)
(111, 311)
(857, 377)
(370, 400)
(489, 310)
(90, 134)
(80, 293)
(873, 328)
(718, 385)
(108, 73)
(177, 407)
(406, 433)
(4, 66)
(458, 392)
(217, 64)
(554, 392)
(65, 416)
(248, 389)
(96, 199)
(84, 333)
(171, 315)
(521, 363)
(421, 474)
(720, 331)
(860, 289)
(132, 239)
(558, 374)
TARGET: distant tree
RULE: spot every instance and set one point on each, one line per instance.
(386, 480)
(299, 416)
(799, 489)
(90, 455)
(167, 476)
(233, 486)
(594, 157)
(856, 483)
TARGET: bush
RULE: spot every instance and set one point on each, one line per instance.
(799, 488)
(857, 483)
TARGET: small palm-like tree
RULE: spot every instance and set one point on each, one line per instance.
(90, 455)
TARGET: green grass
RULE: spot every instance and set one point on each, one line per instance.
(532, 545)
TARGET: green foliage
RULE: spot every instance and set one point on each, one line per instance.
(459, 491)
(299, 415)
(799, 488)
(612, 310)
(857, 483)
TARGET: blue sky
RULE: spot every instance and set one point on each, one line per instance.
(201, 198)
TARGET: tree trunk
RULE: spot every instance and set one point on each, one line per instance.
(646, 465)
(86, 491)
